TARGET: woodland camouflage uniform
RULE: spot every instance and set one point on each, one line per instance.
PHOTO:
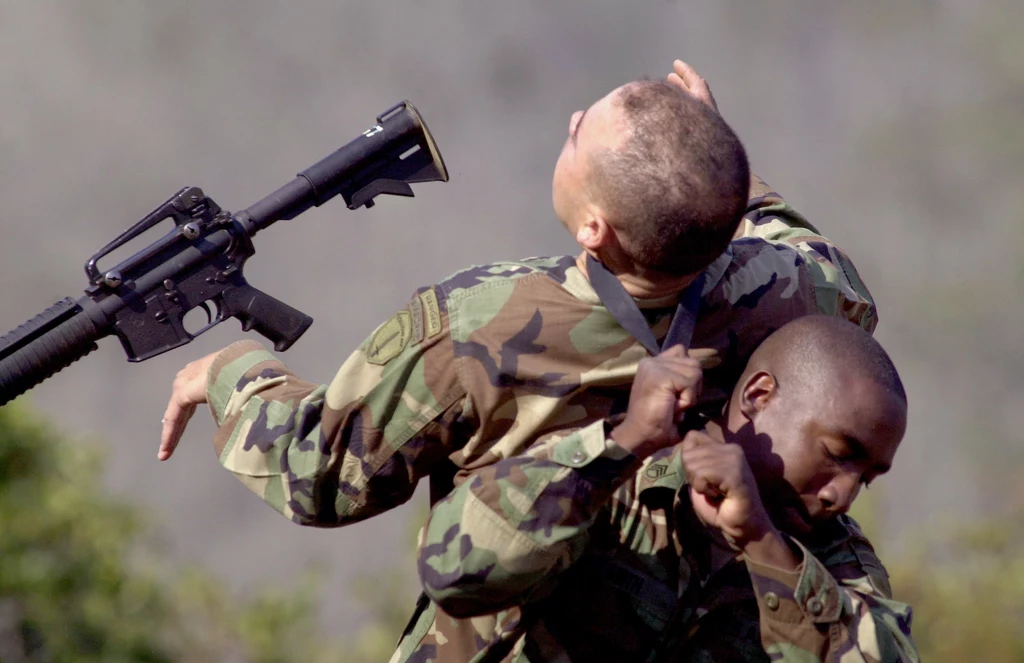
(494, 359)
(635, 580)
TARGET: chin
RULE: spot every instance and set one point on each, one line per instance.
(796, 520)
(794, 523)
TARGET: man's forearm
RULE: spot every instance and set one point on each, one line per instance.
(773, 550)
(261, 410)
(330, 455)
(806, 609)
(500, 537)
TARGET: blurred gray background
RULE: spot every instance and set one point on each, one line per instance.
(896, 127)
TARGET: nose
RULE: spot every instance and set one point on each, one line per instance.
(837, 496)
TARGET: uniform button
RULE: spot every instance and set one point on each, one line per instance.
(578, 457)
(771, 599)
(815, 606)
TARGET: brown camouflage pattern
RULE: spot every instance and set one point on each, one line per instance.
(480, 366)
(580, 553)
(484, 364)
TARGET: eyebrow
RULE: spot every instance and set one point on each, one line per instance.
(578, 125)
(859, 449)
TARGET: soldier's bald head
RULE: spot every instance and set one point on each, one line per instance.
(814, 353)
(819, 411)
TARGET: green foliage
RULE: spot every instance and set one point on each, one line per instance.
(62, 571)
(390, 603)
(967, 589)
(81, 580)
(965, 582)
(274, 627)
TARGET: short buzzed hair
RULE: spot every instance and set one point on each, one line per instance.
(677, 187)
(809, 351)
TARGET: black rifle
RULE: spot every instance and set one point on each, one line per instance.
(144, 299)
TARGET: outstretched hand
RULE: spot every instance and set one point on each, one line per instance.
(689, 81)
(188, 391)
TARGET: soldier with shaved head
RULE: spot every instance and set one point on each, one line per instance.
(679, 244)
(727, 541)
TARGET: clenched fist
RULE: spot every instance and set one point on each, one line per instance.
(663, 389)
(723, 490)
(722, 487)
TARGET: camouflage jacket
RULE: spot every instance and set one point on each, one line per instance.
(575, 551)
(482, 365)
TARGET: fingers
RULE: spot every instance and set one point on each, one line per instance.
(688, 395)
(688, 75)
(683, 365)
(723, 488)
(712, 467)
(707, 357)
(665, 386)
(681, 374)
(688, 80)
(678, 350)
(706, 483)
(176, 418)
(188, 391)
(685, 375)
(696, 439)
(675, 358)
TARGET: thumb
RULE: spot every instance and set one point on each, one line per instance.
(677, 351)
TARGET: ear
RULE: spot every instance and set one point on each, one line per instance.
(756, 393)
(595, 234)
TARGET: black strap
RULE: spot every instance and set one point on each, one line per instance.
(625, 310)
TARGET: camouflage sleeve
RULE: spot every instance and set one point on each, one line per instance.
(329, 455)
(497, 539)
(838, 607)
(838, 287)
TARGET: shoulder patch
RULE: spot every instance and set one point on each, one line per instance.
(416, 319)
(389, 341)
(431, 313)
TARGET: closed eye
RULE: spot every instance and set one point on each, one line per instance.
(838, 459)
(846, 458)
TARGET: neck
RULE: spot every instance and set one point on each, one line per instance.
(715, 428)
(641, 286)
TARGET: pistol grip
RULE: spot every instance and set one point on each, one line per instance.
(268, 316)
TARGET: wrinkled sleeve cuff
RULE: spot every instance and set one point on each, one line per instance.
(228, 369)
(597, 459)
(808, 593)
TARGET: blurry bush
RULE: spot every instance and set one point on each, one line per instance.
(82, 578)
(965, 581)
(966, 585)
